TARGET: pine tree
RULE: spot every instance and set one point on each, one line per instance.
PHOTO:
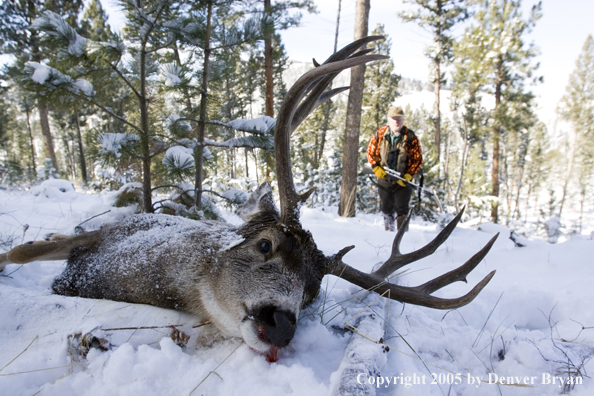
(578, 109)
(497, 59)
(26, 45)
(538, 168)
(439, 17)
(381, 86)
(94, 24)
(348, 186)
(280, 12)
(214, 29)
(146, 34)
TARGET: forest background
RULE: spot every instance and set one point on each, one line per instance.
(127, 96)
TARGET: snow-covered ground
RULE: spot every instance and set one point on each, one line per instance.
(532, 321)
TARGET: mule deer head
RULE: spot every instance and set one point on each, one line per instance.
(250, 281)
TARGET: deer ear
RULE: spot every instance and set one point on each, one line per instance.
(260, 203)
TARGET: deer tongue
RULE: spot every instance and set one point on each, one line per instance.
(271, 354)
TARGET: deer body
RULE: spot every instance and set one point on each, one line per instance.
(251, 281)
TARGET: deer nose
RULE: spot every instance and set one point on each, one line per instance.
(276, 327)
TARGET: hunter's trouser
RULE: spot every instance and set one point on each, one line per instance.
(394, 198)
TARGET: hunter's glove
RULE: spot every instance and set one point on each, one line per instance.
(407, 177)
(379, 172)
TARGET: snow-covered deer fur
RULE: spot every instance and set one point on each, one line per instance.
(250, 281)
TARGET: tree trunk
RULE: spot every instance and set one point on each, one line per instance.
(437, 87)
(569, 170)
(522, 161)
(527, 202)
(33, 163)
(465, 151)
(320, 153)
(437, 113)
(43, 111)
(144, 137)
(348, 187)
(69, 161)
(268, 65)
(247, 168)
(446, 164)
(81, 152)
(269, 86)
(506, 177)
(199, 150)
(47, 135)
(495, 175)
(496, 136)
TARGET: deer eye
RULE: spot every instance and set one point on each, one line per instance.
(264, 246)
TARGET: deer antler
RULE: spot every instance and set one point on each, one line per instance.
(418, 295)
(295, 108)
(302, 99)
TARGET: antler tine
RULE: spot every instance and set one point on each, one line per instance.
(398, 260)
(316, 90)
(419, 295)
(351, 48)
(315, 98)
(289, 198)
(397, 239)
(459, 274)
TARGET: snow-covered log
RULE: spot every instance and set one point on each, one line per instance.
(365, 355)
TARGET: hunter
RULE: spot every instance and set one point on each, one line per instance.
(396, 147)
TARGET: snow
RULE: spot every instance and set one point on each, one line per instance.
(509, 318)
(179, 157)
(85, 86)
(58, 189)
(41, 73)
(53, 24)
(171, 74)
(260, 124)
(111, 143)
(182, 125)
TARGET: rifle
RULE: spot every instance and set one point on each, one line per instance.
(391, 174)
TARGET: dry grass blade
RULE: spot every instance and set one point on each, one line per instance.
(478, 337)
(25, 350)
(215, 369)
(44, 369)
(140, 327)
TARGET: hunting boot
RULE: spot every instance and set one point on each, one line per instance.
(389, 222)
(400, 220)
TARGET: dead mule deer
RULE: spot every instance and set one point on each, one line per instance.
(250, 281)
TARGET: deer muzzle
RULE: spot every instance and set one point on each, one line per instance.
(275, 327)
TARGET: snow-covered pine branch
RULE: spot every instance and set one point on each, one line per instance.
(260, 125)
(53, 79)
(262, 142)
(179, 157)
(110, 51)
(177, 126)
(54, 25)
(261, 128)
(172, 74)
(113, 143)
